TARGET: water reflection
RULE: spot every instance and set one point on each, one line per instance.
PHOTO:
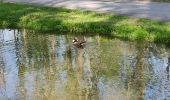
(42, 66)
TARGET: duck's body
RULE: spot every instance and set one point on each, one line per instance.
(79, 43)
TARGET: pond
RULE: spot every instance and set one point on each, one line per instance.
(38, 66)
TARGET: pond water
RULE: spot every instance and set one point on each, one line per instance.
(37, 66)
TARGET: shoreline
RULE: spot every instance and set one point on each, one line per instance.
(65, 20)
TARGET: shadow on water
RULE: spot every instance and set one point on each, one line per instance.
(48, 66)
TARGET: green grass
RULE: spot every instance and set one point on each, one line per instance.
(82, 22)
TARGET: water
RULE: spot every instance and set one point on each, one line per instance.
(37, 66)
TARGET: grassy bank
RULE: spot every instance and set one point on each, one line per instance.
(81, 22)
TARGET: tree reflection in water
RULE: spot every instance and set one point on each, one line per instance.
(47, 66)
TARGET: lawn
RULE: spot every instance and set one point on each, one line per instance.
(64, 20)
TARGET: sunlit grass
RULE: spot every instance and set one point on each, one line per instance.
(64, 20)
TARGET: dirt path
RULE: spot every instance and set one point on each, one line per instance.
(150, 10)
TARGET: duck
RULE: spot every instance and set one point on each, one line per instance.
(79, 43)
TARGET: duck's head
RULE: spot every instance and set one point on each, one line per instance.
(75, 40)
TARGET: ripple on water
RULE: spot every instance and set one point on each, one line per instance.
(48, 66)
